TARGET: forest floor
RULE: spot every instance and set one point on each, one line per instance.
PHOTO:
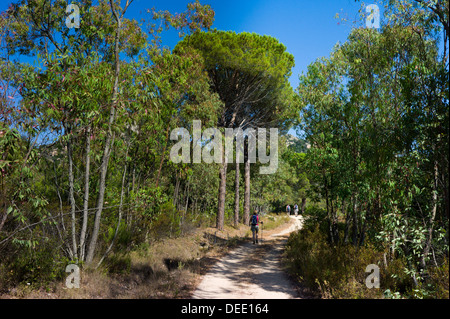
(206, 263)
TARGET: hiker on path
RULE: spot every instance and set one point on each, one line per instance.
(288, 209)
(296, 209)
(254, 223)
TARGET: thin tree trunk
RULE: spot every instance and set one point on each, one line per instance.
(72, 199)
(86, 194)
(109, 139)
(176, 190)
(120, 214)
(100, 201)
(236, 196)
(247, 191)
(222, 192)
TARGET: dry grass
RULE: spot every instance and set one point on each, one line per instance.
(168, 268)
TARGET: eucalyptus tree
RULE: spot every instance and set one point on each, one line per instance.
(70, 59)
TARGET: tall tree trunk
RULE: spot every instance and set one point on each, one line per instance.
(100, 200)
(109, 137)
(120, 213)
(222, 192)
(86, 194)
(247, 190)
(236, 196)
(74, 248)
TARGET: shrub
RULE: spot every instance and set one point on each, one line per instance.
(38, 265)
(339, 271)
(166, 223)
(118, 263)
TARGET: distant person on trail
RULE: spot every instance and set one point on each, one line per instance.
(288, 209)
(254, 223)
(296, 209)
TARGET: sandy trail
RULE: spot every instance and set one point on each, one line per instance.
(251, 271)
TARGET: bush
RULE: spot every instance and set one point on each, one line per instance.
(314, 216)
(166, 223)
(39, 265)
(118, 264)
(436, 283)
(339, 271)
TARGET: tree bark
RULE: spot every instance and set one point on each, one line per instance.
(109, 138)
(236, 196)
(74, 254)
(86, 194)
(222, 192)
(100, 201)
(247, 191)
(176, 190)
(120, 214)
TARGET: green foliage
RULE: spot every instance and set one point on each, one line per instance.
(118, 264)
(374, 113)
(377, 145)
(39, 265)
(166, 222)
(339, 271)
(254, 61)
(124, 236)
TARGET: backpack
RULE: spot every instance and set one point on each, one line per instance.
(254, 219)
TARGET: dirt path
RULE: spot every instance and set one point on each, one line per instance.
(251, 271)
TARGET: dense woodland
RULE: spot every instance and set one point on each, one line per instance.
(86, 116)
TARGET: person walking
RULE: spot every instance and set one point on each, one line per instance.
(254, 223)
(288, 209)
(296, 210)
